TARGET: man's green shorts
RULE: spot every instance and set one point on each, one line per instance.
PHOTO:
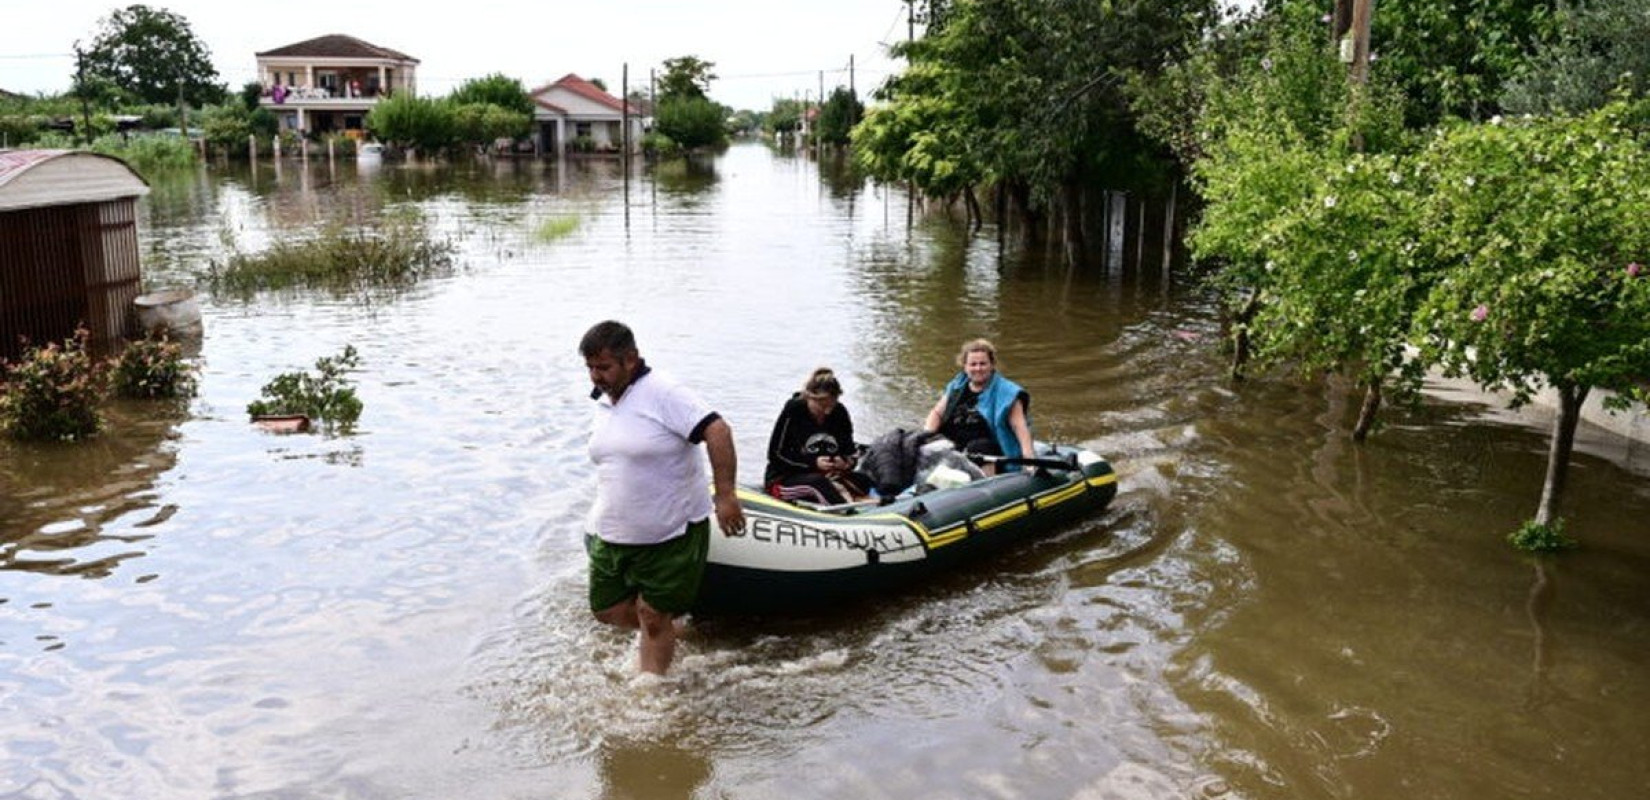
(666, 575)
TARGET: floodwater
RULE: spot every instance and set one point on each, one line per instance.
(192, 608)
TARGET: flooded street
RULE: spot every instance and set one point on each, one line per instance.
(192, 608)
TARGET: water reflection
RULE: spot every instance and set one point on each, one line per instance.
(84, 508)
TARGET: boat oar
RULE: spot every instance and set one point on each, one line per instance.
(1067, 464)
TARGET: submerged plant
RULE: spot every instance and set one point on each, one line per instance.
(153, 368)
(52, 392)
(1536, 537)
(325, 396)
(557, 227)
(395, 255)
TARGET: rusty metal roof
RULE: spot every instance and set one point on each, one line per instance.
(34, 178)
(337, 45)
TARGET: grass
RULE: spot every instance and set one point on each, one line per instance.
(393, 256)
(556, 228)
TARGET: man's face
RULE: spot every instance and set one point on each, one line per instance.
(612, 373)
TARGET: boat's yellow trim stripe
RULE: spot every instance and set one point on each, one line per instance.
(760, 499)
(952, 533)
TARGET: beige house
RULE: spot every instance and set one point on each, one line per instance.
(328, 84)
(574, 114)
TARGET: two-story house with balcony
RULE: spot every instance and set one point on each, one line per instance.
(328, 84)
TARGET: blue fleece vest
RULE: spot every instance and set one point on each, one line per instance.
(996, 400)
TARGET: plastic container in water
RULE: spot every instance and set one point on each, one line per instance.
(174, 312)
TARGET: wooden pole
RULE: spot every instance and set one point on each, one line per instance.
(1362, 13)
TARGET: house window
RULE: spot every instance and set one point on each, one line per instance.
(581, 129)
(328, 81)
(292, 79)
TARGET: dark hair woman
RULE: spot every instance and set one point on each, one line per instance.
(811, 454)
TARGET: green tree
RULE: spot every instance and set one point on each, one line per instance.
(691, 122)
(1028, 94)
(1544, 226)
(1601, 47)
(407, 120)
(497, 89)
(838, 116)
(685, 77)
(1452, 58)
(230, 125)
(784, 117)
(484, 123)
(153, 55)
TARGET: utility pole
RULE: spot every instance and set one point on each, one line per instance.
(1363, 11)
(85, 102)
(853, 94)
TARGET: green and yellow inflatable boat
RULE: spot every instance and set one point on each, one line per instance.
(795, 559)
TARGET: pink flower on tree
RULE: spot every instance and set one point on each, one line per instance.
(1633, 269)
(1481, 313)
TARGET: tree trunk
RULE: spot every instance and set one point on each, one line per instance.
(1168, 231)
(1570, 399)
(1366, 415)
(1076, 246)
(1240, 338)
(1001, 202)
(975, 217)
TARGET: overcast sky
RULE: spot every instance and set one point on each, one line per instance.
(761, 49)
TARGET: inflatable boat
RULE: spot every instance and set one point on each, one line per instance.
(796, 559)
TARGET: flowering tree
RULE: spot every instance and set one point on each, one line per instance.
(1343, 279)
(1543, 227)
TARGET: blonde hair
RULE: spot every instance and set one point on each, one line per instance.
(822, 383)
(977, 346)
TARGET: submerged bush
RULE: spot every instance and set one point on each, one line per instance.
(326, 396)
(53, 392)
(153, 368)
(557, 227)
(397, 255)
(1534, 537)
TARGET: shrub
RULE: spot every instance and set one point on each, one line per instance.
(153, 368)
(557, 227)
(1534, 537)
(52, 393)
(326, 396)
(396, 255)
(657, 144)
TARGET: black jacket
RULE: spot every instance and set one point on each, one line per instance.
(787, 446)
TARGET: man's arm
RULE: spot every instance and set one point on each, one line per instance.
(724, 467)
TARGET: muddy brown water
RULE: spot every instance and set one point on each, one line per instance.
(192, 608)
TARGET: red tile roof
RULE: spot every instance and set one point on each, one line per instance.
(585, 89)
(337, 45)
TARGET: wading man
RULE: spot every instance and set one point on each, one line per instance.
(649, 530)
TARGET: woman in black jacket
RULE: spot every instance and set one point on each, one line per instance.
(811, 454)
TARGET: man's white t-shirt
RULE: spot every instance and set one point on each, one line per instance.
(650, 474)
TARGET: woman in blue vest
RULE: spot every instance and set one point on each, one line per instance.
(981, 411)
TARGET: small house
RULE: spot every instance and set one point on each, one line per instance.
(68, 246)
(575, 114)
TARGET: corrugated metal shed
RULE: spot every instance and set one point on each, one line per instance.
(68, 245)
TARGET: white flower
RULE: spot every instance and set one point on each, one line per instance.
(1471, 181)
(1329, 202)
(1351, 169)
(1393, 178)
(1352, 255)
(1495, 120)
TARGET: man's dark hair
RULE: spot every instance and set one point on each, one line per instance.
(609, 336)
